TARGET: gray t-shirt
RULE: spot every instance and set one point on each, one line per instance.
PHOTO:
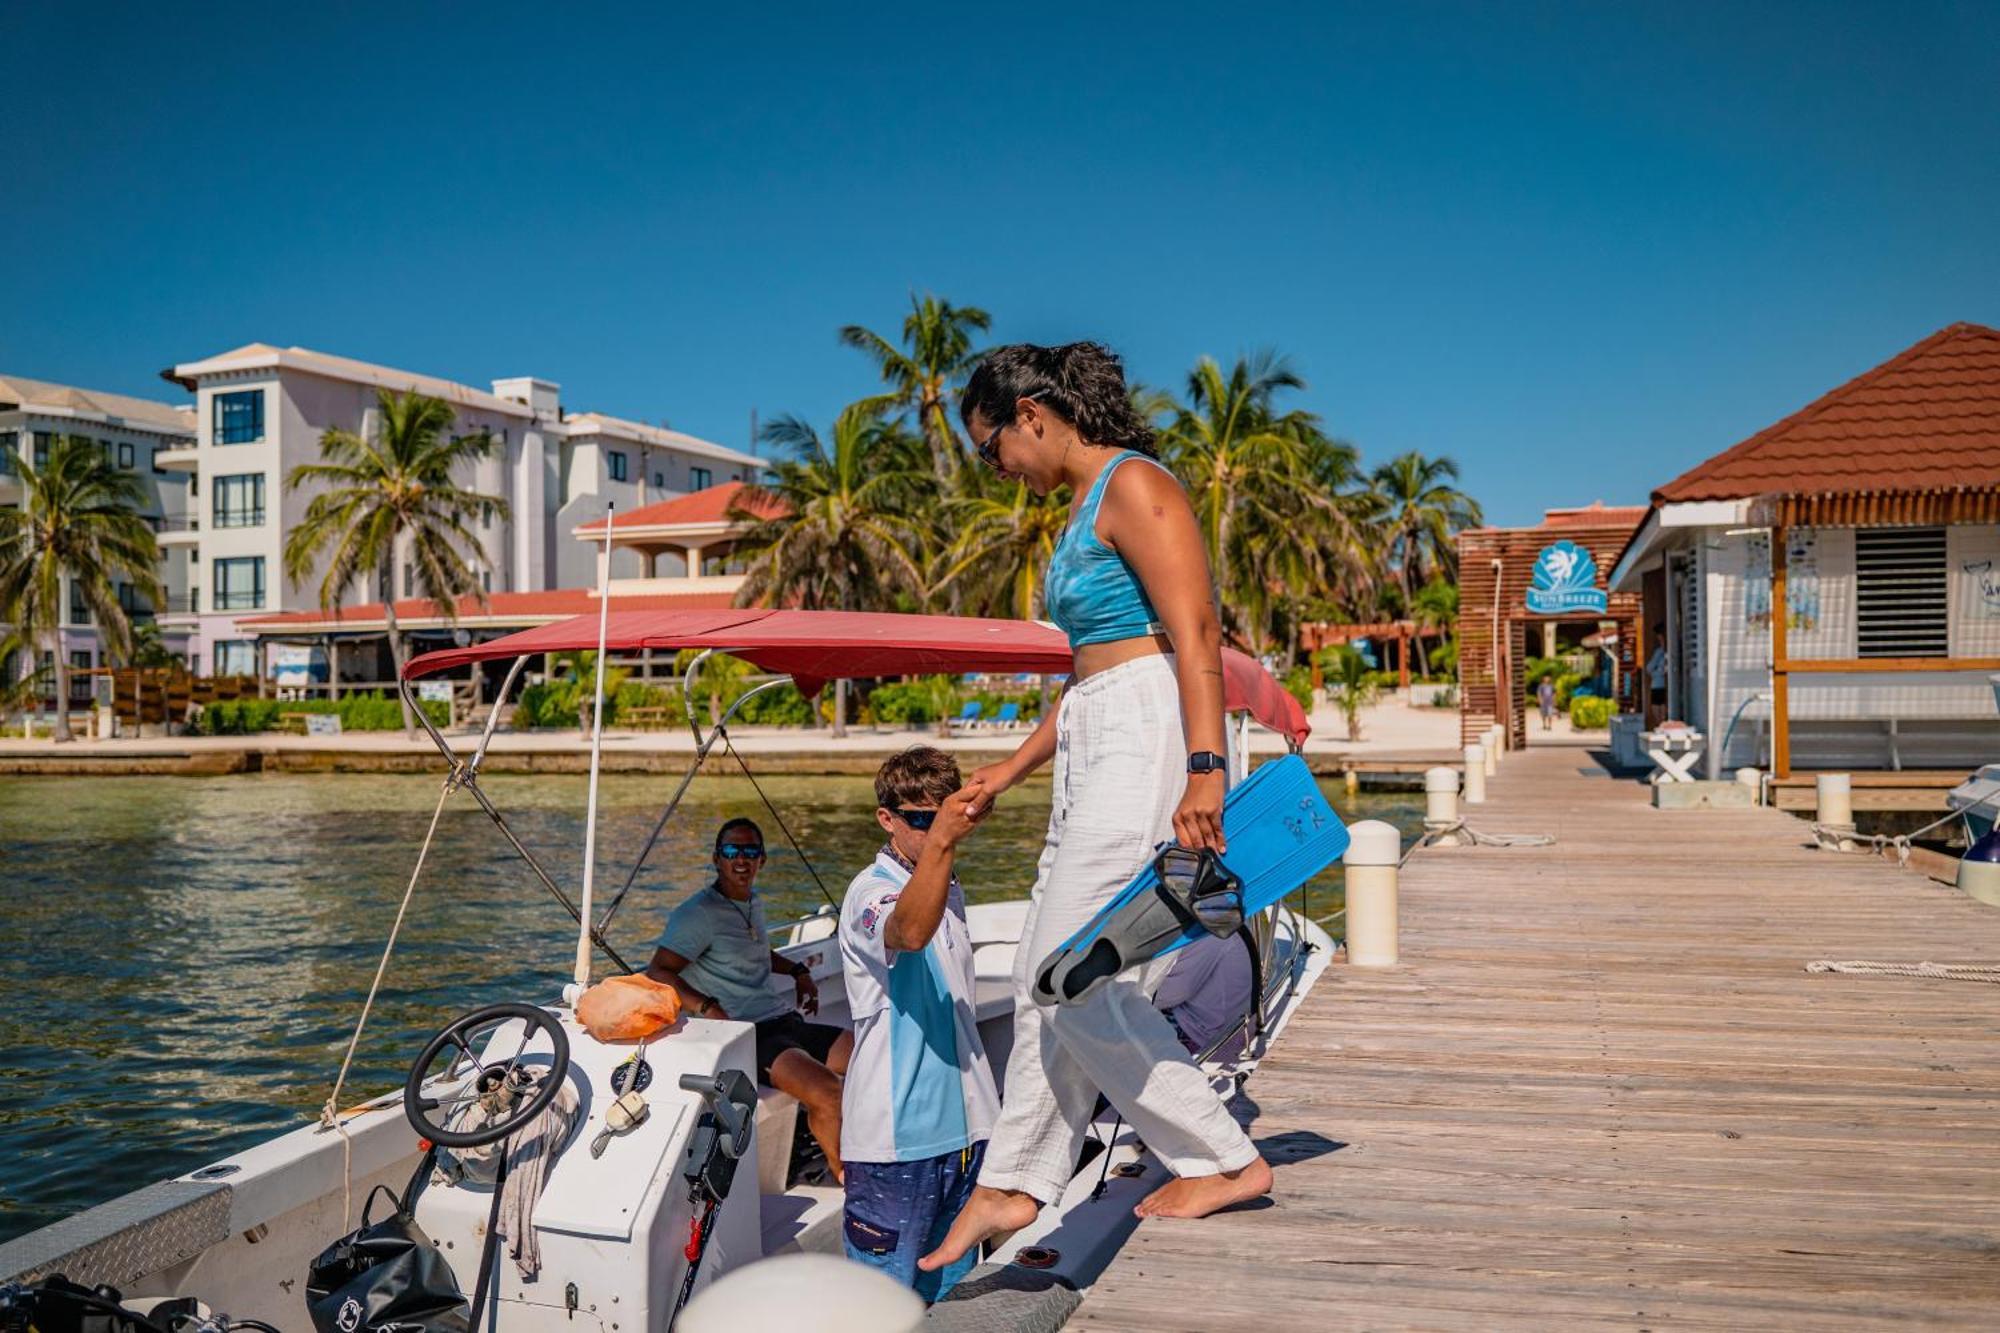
(728, 957)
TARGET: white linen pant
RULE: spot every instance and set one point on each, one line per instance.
(1120, 769)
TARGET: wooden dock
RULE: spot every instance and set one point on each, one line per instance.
(1602, 1091)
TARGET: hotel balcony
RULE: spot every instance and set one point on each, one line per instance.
(182, 459)
(177, 531)
(674, 585)
(181, 608)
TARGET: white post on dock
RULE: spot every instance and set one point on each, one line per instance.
(1441, 805)
(1372, 853)
(1834, 807)
(1494, 742)
(1754, 780)
(1475, 775)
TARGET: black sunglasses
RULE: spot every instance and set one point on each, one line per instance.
(916, 819)
(731, 851)
(988, 449)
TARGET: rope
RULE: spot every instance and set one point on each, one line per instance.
(730, 746)
(1473, 837)
(329, 1115)
(1843, 838)
(1928, 971)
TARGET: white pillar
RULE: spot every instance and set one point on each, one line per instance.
(1754, 780)
(1475, 775)
(693, 561)
(1371, 858)
(1491, 748)
(1441, 805)
(1834, 806)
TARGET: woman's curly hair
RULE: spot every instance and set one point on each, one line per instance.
(1083, 383)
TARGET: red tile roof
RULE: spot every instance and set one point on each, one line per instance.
(1593, 515)
(1927, 419)
(525, 608)
(710, 505)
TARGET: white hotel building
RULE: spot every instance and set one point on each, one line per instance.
(139, 436)
(260, 412)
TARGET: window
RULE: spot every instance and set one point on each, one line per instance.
(159, 449)
(125, 455)
(239, 501)
(614, 463)
(485, 517)
(135, 606)
(700, 478)
(44, 441)
(659, 480)
(239, 417)
(486, 580)
(79, 610)
(1899, 587)
(10, 447)
(236, 657)
(239, 583)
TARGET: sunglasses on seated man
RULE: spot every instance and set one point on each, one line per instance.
(918, 820)
(730, 851)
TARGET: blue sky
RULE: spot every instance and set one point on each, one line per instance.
(1577, 247)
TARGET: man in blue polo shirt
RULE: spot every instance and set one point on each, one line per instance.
(919, 1100)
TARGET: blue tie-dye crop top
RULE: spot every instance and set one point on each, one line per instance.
(1093, 595)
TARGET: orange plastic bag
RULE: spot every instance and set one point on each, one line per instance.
(628, 1008)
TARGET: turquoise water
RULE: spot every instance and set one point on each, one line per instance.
(183, 959)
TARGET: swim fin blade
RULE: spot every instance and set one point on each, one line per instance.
(1281, 832)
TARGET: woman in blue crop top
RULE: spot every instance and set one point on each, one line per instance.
(1137, 744)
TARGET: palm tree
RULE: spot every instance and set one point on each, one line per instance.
(934, 360)
(845, 536)
(1436, 610)
(1004, 543)
(1352, 685)
(1267, 490)
(394, 496)
(78, 521)
(1423, 513)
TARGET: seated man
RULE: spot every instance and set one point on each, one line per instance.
(715, 950)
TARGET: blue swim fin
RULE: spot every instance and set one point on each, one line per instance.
(1281, 832)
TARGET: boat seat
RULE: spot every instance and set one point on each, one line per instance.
(777, 1125)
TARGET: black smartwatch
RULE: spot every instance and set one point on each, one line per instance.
(1206, 761)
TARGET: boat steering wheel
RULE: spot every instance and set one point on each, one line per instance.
(461, 1036)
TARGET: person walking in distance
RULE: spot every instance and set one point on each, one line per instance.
(1136, 743)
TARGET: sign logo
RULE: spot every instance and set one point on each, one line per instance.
(349, 1317)
(1565, 580)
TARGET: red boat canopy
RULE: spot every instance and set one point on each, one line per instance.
(813, 647)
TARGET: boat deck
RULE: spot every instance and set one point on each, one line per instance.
(1601, 1090)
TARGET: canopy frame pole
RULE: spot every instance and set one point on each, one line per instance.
(493, 717)
(703, 744)
(596, 761)
(462, 773)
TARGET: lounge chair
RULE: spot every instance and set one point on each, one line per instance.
(1009, 717)
(968, 716)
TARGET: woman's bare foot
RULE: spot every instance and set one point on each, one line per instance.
(1198, 1196)
(987, 1213)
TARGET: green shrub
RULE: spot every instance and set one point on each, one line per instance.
(779, 706)
(912, 704)
(1299, 684)
(547, 703)
(1588, 713)
(374, 711)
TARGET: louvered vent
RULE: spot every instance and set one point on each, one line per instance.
(1899, 580)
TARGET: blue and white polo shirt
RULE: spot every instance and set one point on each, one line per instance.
(918, 1084)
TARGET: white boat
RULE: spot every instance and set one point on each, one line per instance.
(620, 1219)
(1977, 799)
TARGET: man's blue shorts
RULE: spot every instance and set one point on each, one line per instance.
(897, 1212)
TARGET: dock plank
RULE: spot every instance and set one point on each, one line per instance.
(1601, 1091)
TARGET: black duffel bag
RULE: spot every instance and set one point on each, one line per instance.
(386, 1277)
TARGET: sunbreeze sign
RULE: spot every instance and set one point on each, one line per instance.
(1564, 581)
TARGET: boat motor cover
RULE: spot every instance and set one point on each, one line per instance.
(628, 1007)
(386, 1275)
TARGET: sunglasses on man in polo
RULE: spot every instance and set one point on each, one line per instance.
(731, 851)
(916, 819)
